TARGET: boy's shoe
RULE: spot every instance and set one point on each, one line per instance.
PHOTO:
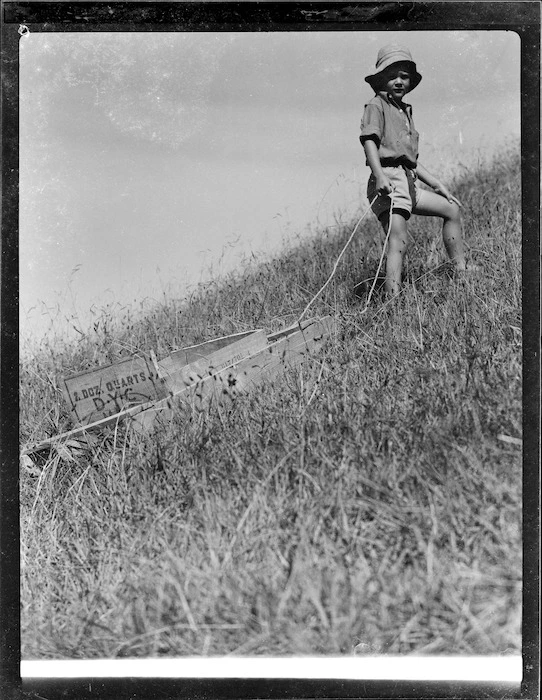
(363, 288)
(360, 290)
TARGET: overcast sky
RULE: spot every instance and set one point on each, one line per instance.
(147, 157)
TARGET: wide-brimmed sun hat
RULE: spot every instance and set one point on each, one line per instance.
(387, 56)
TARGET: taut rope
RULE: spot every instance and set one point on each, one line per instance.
(311, 302)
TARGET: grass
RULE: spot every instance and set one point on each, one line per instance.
(365, 503)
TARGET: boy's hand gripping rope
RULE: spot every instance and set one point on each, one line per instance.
(311, 302)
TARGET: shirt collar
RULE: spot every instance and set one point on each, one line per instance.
(389, 99)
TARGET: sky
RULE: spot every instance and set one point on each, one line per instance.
(150, 161)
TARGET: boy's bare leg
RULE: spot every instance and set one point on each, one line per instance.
(432, 204)
(453, 237)
(397, 245)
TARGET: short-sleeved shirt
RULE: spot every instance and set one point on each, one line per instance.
(393, 130)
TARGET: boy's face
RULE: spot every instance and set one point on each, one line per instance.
(396, 80)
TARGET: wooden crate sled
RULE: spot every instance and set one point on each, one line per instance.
(219, 369)
(112, 389)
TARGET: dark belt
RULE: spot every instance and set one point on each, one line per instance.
(397, 163)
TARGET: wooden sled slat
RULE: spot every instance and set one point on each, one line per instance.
(82, 430)
(195, 353)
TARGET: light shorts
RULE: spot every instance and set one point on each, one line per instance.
(406, 194)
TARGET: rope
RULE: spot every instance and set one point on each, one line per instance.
(315, 297)
(381, 258)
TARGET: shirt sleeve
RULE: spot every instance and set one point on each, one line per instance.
(372, 122)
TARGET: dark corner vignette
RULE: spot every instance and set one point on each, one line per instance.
(21, 17)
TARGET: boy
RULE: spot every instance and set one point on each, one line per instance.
(390, 142)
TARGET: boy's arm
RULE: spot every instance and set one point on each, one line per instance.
(437, 185)
(383, 184)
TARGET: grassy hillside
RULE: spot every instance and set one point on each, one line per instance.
(375, 510)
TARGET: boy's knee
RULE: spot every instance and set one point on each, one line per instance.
(398, 242)
(453, 213)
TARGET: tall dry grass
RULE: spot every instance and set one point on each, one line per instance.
(366, 503)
